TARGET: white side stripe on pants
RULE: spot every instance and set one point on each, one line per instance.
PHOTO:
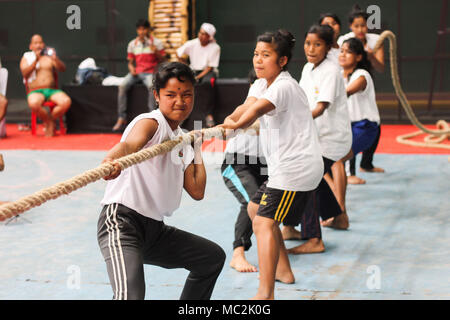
(119, 272)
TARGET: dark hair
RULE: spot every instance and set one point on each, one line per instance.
(142, 23)
(330, 15)
(169, 70)
(357, 12)
(324, 32)
(356, 46)
(284, 43)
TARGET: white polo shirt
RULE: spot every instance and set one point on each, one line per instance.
(200, 57)
(325, 84)
(152, 188)
(288, 136)
(362, 104)
(371, 39)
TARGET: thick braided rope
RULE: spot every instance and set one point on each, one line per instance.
(11, 209)
(429, 141)
(443, 131)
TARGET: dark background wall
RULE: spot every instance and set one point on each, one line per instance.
(106, 28)
(414, 22)
(108, 25)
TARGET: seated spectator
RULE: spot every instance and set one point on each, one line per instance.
(204, 55)
(143, 54)
(38, 67)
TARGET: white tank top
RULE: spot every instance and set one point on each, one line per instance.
(152, 188)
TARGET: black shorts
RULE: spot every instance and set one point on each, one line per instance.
(281, 205)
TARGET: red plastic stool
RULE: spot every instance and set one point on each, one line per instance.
(51, 105)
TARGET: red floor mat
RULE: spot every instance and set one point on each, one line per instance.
(388, 143)
(24, 140)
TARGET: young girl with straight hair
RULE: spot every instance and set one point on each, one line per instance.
(357, 20)
(292, 151)
(358, 24)
(322, 81)
(362, 103)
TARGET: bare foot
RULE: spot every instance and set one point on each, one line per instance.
(50, 128)
(314, 245)
(374, 170)
(239, 262)
(290, 233)
(285, 277)
(355, 180)
(340, 222)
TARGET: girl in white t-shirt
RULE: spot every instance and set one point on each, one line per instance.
(358, 25)
(131, 231)
(362, 104)
(334, 22)
(292, 151)
(322, 81)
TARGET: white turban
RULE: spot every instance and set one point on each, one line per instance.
(209, 29)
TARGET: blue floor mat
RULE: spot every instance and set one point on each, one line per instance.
(397, 247)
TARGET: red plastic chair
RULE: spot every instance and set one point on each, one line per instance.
(50, 105)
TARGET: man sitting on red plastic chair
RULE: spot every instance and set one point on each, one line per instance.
(39, 67)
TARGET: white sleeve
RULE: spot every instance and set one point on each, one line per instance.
(362, 73)
(277, 94)
(184, 49)
(214, 58)
(372, 39)
(328, 86)
(256, 90)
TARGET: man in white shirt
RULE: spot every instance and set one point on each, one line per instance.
(204, 56)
